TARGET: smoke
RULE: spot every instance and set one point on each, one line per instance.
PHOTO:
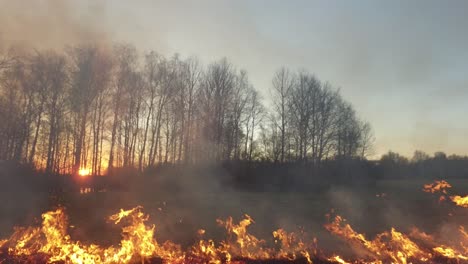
(52, 24)
(22, 197)
(180, 200)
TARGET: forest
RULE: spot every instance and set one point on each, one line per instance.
(100, 108)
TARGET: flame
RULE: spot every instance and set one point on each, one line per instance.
(293, 246)
(338, 259)
(393, 246)
(450, 253)
(51, 243)
(240, 244)
(442, 186)
(139, 245)
(460, 201)
(437, 186)
(52, 239)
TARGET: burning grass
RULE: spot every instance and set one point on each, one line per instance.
(442, 186)
(52, 243)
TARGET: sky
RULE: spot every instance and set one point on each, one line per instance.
(402, 64)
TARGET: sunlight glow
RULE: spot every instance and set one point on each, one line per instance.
(84, 172)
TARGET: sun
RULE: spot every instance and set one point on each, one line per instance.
(83, 172)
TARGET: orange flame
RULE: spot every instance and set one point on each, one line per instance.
(460, 201)
(138, 244)
(392, 246)
(437, 186)
(442, 186)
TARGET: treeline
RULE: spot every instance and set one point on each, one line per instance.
(102, 108)
(422, 165)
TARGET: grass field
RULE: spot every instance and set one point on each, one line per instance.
(179, 212)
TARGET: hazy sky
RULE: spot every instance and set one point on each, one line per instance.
(403, 64)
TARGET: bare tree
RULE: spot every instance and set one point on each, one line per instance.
(125, 63)
(165, 92)
(152, 82)
(56, 76)
(367, 140)
(90, 69)
(254, 117)
(215, 95)
(283, 83)
(192, 77)
(348, 135)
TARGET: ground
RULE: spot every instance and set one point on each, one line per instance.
(179, 210)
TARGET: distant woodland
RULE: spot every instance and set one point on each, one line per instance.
(104, 109)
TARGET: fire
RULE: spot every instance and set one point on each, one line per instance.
(338, 259)
(240, 244)
(84, 172)
(393, 246)
(442, 186)
(139, 245)
(51, 243)
(52, 240)
(460, 201)
(450, 253)
(437, 186)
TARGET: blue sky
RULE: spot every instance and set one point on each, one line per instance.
(403, 64)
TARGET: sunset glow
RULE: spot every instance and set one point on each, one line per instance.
(83, 172)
